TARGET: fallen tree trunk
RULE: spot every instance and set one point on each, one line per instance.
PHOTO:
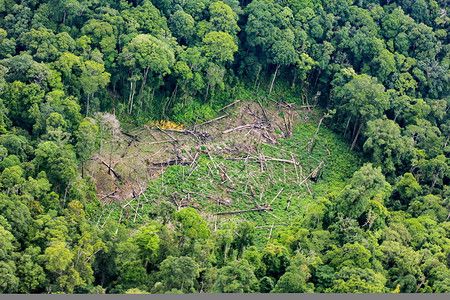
(212, 120)
(172, 162)
(134, 137)
(226, 106)
(258, 125)
(165, 132)
(266, 158)
(112, 170)
(245, 210)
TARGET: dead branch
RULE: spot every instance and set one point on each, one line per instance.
(280, 104)
(259, 125)
(133, 136)
(276, 196)
(158, 142)
(110, 195)
(311, 143)
(270, 233)
(212, 120)
(109, 215)
(313, 172)
(316, 171)
(166, 133)
(263, 110)
(226, 106)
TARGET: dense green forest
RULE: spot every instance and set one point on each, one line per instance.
(332, 113)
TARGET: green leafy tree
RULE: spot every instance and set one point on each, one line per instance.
(178, 272)
(223, 18)
(355, 280)
(294, 281)
(150, 55)
(31, 274)
(389, 149)
(192, 227)
(86, 139)
(182, 26)
(93, 78)
(366, 192)
(363, 99)
(8, 280)
(237, 277)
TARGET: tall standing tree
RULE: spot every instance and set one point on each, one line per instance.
(150, 55)
(93, 78)
(363, 99)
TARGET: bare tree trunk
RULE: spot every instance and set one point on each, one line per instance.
(131, 97)
(435, 180)
(317, 79)
(207, 90)
(144, 81)
(273, 79)
(257, 76)
(356, 137)
(396, 115)
(346, 127)
(174, 94)
(354, 128)
(310, 146)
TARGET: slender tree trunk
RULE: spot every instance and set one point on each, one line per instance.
(101, 142)
(356, 136)
(273, 79)
(311, 143)
(317, 79)
(346, 127)
(207, 90)
(421, 283)
(64, 18)
(131, 97)
(257, 76)
(153, 95)
(396, 115)
(172, 97)
(87, 104)
(144, 80)
(435, 180)
(293, 79)
(355, 126)
(446, 141)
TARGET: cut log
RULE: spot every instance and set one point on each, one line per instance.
(245, 210)
(259, 125)
(233, 103)
(166, 133)
(266, 158)
(134, 137)
(172, 162)
(311, 143)
(277, 195)
(263, 110)
(112, 170)
(212, 120)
